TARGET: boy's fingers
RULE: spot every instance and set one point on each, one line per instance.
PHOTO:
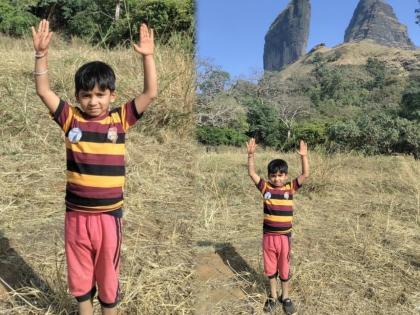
(141, 29)
(33, 31)
(136, 47)
(152, 34)
(146, 33)
(49, 36)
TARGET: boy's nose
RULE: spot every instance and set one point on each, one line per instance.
(93, 101)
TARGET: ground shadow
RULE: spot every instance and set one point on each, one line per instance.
(17, 275)
(256, 282)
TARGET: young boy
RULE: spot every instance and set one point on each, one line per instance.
(278, 215)
(95, 167)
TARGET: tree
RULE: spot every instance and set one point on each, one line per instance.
(115, 22)
(215, 107)
(222, 111)
(286, 97)
(117, 9)
(211, 80)
(15, 20)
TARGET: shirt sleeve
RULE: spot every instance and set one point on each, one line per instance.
(262, 186)
(129, 115)
(63, 115)
(295, 184)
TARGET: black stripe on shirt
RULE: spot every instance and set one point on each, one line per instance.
(280, 213)
(269, 228)
(90, 202)
(281, 197)
(92, 169)
(98, 137)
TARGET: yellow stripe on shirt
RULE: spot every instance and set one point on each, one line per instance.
(96, 148)
(278, 218)
(279, 202)
(69, 118)
(95, 181)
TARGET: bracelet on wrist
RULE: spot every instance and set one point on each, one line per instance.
(40, 72)
(40, 55)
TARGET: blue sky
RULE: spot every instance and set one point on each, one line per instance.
(231, 32)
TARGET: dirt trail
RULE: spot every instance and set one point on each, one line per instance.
(216, 283)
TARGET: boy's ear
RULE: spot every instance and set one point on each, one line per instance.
(113, 96)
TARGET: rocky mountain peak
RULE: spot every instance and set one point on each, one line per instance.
(287, 38)
(376, 20)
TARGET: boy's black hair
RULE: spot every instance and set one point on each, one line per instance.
(277, 166)
(92, 73)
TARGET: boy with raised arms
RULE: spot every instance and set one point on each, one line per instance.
(95, 138)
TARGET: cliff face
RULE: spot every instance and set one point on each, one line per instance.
(376, 20)
(287, 38)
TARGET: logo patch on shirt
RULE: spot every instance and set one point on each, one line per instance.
(112, 134)
(286, 195)
(75, 134)
(267, 195)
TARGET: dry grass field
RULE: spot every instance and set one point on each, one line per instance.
(157, 262)
(356, 234)
(193, 218)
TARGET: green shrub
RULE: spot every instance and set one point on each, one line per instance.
(314, 133)
(220, 136)
(14, 20)
(377, 70)
(376, 134)
(165, 16)
(95, 19)
(264, 125)
(410, 106)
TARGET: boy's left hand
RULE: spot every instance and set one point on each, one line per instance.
(303, 148)
(146, 43)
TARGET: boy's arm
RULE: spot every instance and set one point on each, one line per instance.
(303, 152)
(146, 49)
(251, 146)
(41, 40)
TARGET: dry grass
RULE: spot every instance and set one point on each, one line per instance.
(357, 54)
(356, 232)
(157, 257)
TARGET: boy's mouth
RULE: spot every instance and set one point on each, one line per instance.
(279, 183)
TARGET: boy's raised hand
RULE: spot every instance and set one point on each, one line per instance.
(42, 37)
(146, 43)
(251, 146)
(303, 148)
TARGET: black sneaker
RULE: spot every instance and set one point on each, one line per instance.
(288, 306)
(270, 305)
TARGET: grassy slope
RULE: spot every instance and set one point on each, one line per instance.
(157, 259)
(355, 247)
(403, 61)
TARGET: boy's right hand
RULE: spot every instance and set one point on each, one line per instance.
(42, 37)
(251, 146)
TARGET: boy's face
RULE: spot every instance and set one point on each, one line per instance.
(95, 102)
(277, 179)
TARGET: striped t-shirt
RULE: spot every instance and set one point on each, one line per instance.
(278, 206)
(95, 164)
